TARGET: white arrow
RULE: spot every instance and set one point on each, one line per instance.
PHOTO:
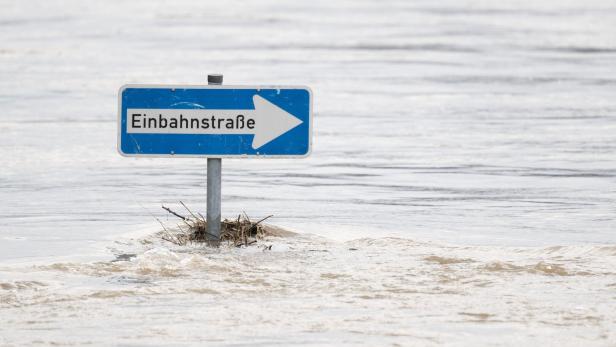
(266, 121)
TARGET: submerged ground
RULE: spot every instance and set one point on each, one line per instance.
(461, 187)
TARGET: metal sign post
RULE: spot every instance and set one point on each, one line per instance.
(214, 182)
(215, 122)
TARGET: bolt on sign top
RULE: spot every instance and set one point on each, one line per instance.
(214, 121)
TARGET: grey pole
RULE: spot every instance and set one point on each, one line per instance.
(214, 171)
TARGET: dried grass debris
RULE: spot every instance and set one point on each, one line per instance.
(237, 232)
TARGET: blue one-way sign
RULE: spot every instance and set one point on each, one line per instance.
(214, 121)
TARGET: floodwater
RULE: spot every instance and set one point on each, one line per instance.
(461, 188)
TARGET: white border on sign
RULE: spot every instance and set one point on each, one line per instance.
(245, 156)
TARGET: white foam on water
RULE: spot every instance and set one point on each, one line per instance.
(308, 290)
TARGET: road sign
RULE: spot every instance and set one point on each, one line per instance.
(214, 121)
